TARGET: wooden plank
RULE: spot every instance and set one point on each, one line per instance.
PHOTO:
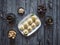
(55, 14)
(4, 5)
(41, 32)
(1, 24)
(4, 26)
(58, 19)
(1, 32)
(14, 7)
(5, 34)
(49, 32)
(1, 5)
(45, 28)
(21, 40)
(33, 9)
(9, 6)
(27, 11)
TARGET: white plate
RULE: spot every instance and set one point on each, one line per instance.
(20, 23)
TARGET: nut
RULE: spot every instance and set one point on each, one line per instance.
(12, 34)
(41, 10)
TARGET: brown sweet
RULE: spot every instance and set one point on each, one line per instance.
(12, 34)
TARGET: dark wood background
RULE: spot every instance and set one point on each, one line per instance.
(30, 6)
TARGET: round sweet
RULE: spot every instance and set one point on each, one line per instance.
(37, 22)
(29, 28)
(25, 32)
(29, 21)
(22, 27)
(21, 10)
(33, 18)
(33, 25)
(12, 34)
(25, 25)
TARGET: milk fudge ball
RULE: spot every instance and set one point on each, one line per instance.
(33, 25)
(29, 28)
(21, 10)
(37, 22)
(25, 32)
(25, 25)
(21, 27)
(33, 18)
(29, 21)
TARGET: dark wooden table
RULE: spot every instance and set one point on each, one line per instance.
(30, 6)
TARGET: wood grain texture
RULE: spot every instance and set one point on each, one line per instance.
(30, 6)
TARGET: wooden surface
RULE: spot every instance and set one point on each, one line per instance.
(30, 6)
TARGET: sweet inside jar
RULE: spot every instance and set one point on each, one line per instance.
(49, 20)
(9, 18)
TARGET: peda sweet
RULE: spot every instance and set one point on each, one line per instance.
(25, 32)
(33, 25)
(25, 25)
(22, 27)
(37, 22)
(29, 28)
(29, 21)
(33, 18)
(21, 10)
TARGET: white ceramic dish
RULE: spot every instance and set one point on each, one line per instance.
(34, 30)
